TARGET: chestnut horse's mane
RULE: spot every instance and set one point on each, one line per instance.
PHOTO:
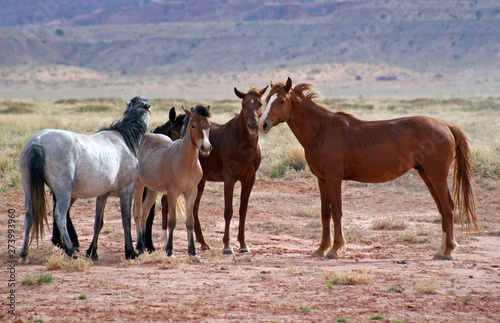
(299, 90)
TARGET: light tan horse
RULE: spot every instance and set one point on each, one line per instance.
(172, 168)
(340, 147)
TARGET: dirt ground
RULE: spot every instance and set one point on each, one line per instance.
(279, 281)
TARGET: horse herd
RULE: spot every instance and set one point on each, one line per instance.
(180, 156)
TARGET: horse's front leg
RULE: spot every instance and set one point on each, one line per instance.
(246, 189)
(98, 223)
(228, 213)
(197, 223)
(326, 215)
(334, 188)
(139, 190)
(190, 199)
(126, 195)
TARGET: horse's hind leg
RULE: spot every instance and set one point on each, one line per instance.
(438, 188)
(56, 235)
(190, 199)
(164, 221)
(28, 223)
(148, 203)
(228, 213)
(148, 233)
(61, 209)
(98, 223)
(197, 224)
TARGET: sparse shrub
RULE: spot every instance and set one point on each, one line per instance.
(16, 107)
(388, 224)
(59, 260)
(27, 281)
(428, 286)
(377, 317)
(82, 296)
(305, 309)
(341, 319)
(44, 278)
(295, 158)
(468, 299)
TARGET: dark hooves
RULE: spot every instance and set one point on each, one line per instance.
(244, 250)
(228, 252)
(330, 256)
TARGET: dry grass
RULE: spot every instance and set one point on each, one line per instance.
(59, 260)
(295, 157)
(391, 223)
(354, 277)
(427, 286)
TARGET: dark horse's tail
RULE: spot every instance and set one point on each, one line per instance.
(462, 181)
(36, 163)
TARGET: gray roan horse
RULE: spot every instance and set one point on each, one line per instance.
(81, 166)
(172, 167)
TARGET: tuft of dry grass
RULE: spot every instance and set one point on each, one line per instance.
(158, 258)
(59, 260)
(427, 286)
(295, 157)
(391, 223)
(354, 277)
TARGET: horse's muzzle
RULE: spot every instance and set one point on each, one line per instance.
(264, 127)
(205, 150)
(253, 128)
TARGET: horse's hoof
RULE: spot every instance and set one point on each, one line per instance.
(24, 260)
(331, 256)
(437, 257)
(318, 253)
(444, 257)
(77, 249)
(195, 258)
(151, 249)
(244, 250)
(228, 251)
(207, 247)
(130, 255)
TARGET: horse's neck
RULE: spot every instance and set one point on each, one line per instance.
(188, 149)
(306, 119)
(242, 130)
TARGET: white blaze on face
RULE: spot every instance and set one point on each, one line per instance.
(266, 111)
(206, 142)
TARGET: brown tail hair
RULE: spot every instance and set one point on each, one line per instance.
(36, 163)
(463, 194)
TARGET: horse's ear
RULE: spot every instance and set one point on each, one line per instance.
(187, 112)
(264, 90)
(271, 83)
(208, 107)
(172, 115)
(238, 93)
(288, 85)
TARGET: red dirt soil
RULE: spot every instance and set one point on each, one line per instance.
(279, 280)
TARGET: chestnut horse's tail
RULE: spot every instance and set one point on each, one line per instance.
(463, 193)
(36, 166)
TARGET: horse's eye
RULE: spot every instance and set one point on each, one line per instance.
(242, 106)
(282, 101)
(260, 105)
(192, 126)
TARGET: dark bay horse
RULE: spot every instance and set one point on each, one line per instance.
(340, 147)
(235, 157)
(81, 166)
(172, 168)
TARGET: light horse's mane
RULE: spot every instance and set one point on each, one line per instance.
(311, 94)
(132, 126)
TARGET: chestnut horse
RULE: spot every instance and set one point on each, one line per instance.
(172, 167)
(340, 147)
(235, 157)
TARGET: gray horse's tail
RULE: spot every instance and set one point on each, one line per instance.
(36, 163)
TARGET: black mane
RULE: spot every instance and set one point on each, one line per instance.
(200, 109)
(133, 125)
